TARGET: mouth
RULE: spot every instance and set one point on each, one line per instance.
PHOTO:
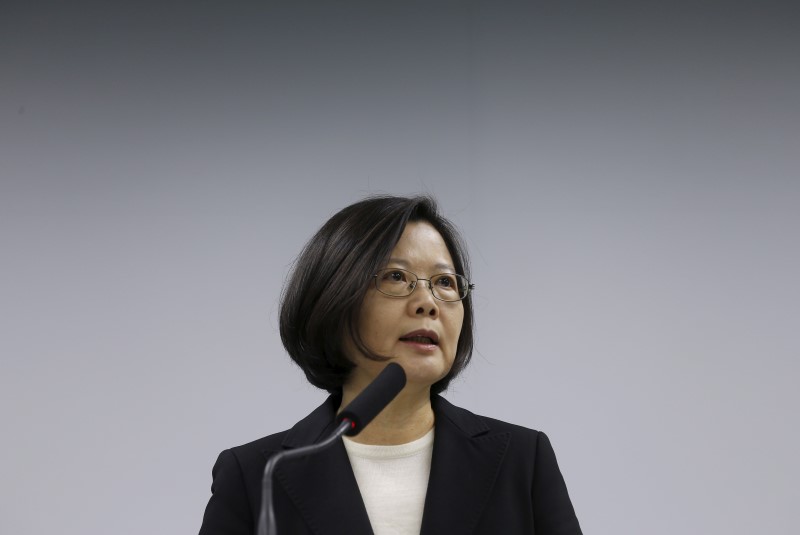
(423, 337)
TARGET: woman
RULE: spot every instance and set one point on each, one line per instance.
(387, 280)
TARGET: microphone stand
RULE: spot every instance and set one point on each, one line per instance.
(357, 415)
(266, 519)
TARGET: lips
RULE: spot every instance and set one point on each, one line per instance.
(421, 336)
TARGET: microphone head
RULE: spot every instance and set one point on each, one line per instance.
(374, 398)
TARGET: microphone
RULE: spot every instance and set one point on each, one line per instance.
(372, 400)
(352, 420)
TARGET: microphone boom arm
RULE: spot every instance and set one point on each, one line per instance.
(266, 520)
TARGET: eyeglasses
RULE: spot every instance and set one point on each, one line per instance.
(448, 287)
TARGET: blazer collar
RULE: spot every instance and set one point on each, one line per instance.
(466, 459)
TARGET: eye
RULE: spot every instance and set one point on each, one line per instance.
(445, 281)
(394, 275)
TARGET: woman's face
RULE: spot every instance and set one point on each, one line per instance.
(386, 322)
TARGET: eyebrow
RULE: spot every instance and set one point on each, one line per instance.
(405, 264)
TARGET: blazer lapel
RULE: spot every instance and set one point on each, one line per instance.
(465, 463)
(322, 486)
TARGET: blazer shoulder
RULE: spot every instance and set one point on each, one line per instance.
(304, 432)
(508, 427)
(257, 450)
(478, 424)
(529, 443)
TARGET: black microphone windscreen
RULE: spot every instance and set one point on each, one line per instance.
(374, 398)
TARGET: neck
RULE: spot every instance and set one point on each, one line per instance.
(408, 417)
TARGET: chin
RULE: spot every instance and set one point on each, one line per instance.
(424, 373)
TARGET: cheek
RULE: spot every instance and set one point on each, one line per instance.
(375, 327)
(456, 324)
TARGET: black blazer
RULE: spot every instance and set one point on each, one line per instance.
(487, 477)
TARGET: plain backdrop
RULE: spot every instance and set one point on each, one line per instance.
(625, 175)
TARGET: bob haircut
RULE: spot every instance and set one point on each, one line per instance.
(322, 298)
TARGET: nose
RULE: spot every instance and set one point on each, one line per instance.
(421, 301)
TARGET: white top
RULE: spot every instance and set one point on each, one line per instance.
(393, 481)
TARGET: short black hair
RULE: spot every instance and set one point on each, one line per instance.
(321, 299)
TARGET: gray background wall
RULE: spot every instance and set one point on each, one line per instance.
(626, 175)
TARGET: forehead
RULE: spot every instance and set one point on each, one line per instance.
(422, 247)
